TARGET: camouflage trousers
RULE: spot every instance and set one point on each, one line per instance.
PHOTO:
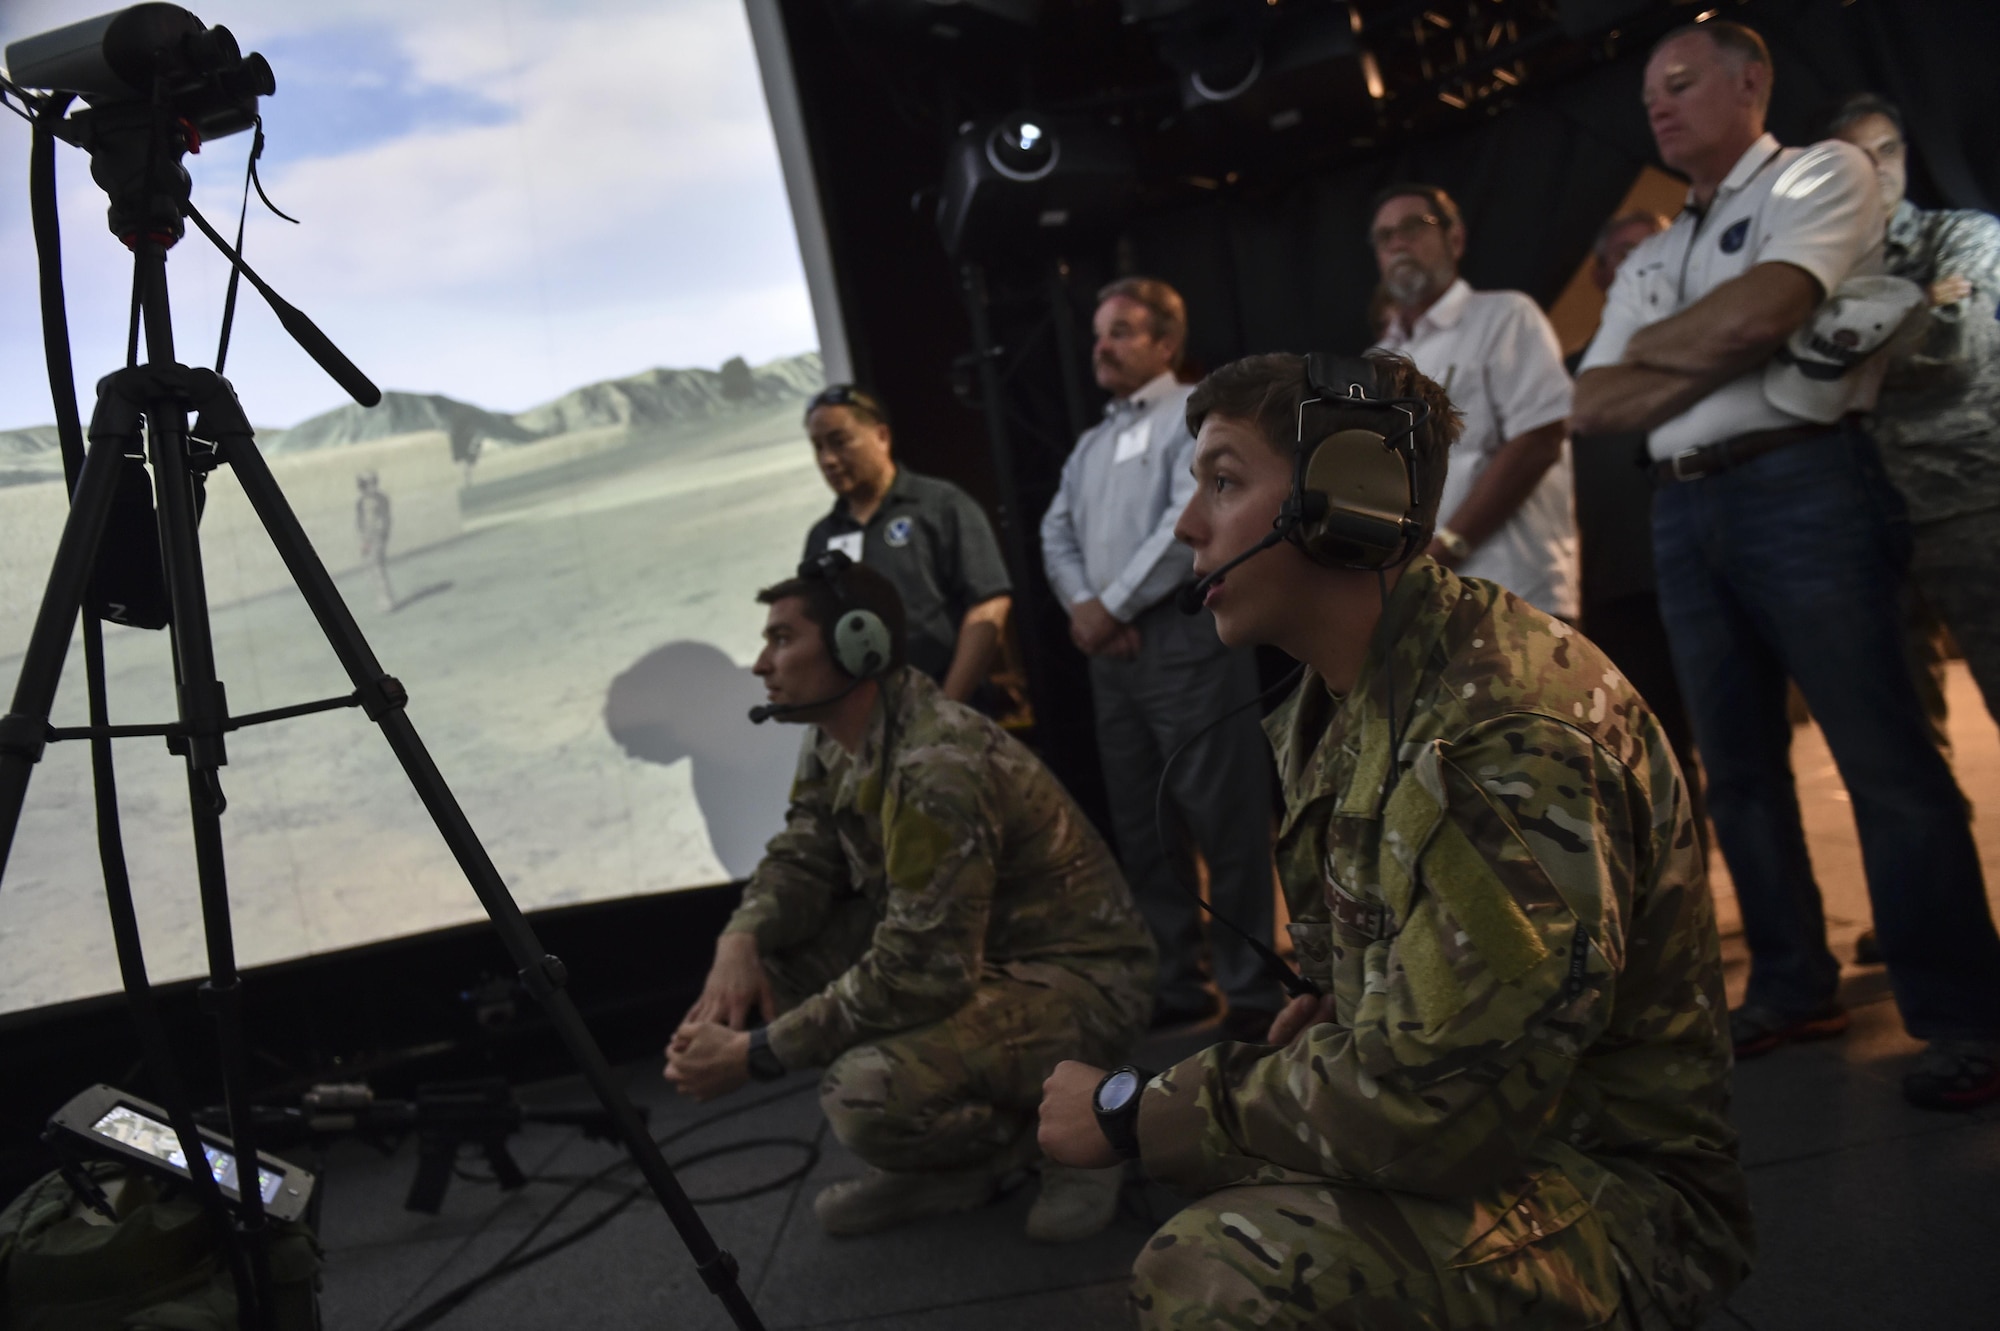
(1955, 566)
(964, 1090)
(1354, 1259)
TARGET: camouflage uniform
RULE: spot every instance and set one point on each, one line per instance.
(1518, 1113)
(1938, 424)
(942, 926)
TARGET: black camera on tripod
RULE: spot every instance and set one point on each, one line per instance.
(156, 81)
(137, 68)
(150, 51)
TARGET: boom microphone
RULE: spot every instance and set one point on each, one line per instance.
(1191, 596)
(759, 715)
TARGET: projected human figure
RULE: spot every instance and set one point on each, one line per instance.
(937, 926)
(371, 520)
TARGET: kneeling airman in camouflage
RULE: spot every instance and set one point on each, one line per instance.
(937, 926)
(1509, 1108)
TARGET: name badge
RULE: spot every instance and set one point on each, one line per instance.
(1131, 443)
(847, 543)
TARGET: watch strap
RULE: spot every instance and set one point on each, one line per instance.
(764, 1064)
(1121, 1125)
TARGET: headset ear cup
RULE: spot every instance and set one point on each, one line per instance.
(861, 644)
(1355, 495)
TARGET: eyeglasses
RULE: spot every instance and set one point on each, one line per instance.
(1408, 229)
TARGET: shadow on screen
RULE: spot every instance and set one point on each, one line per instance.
(421, 593)
(689, 700)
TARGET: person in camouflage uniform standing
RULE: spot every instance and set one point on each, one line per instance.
(1510, 1106)
(1938, 419)
(937, 926)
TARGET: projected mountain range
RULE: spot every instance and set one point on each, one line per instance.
(652, 399)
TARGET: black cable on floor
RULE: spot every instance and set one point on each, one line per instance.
(521, 1256)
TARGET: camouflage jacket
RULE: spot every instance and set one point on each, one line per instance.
(1522, 950)
(1938, 419)
(971, 854)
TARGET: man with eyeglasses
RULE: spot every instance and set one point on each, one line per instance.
(927, 536)
(1507, 509)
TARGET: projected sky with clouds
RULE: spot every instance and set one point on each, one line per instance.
(501, 201)
(504, 203)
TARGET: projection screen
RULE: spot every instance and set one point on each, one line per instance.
(558, 233)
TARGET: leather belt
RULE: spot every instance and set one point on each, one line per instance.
(1695, 463)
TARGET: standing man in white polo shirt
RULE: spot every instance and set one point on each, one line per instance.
(1781, 550)
(1508, 512)
(1158, 678)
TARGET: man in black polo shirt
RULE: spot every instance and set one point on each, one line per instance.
(927, 536)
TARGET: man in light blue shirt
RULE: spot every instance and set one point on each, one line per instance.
(1158, 676)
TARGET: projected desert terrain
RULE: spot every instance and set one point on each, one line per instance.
(573, 619)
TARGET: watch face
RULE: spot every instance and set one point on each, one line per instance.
(1117, 1091)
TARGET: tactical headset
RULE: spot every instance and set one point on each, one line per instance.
(1356, 487)
(1356, 483)
(856, 638)
(1356, 491)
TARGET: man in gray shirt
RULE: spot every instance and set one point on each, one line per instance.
(1158, 676)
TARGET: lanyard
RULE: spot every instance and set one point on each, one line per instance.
(1701, 216)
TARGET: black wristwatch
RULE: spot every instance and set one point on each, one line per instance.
(1116, 1101)
(764, 1064)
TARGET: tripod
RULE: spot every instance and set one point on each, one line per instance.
(136, 151)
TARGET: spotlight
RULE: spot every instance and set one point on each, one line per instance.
(1228, 77)
(1030, 184)
(1258, 67)
(1022, 149)
(1215, 46)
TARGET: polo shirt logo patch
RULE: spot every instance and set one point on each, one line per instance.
(1732, 239)
(897, 533)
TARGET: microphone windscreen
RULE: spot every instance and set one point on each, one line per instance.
(759, 715)
(1188, 600)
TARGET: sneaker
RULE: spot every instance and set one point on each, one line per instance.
(1075, 1203)
(1954, 1074)
(1755, 1029)
(881, 1199)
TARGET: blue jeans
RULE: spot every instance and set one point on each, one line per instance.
(1792, 565)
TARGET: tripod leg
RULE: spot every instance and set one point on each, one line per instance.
(383, 697)
(24, 729)
(157, 1050)
(203, 717)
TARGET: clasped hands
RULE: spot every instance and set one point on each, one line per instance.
(710, 1052)
(1069, 1133)
(1096, 632)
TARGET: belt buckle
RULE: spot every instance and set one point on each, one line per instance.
(1681, 474)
